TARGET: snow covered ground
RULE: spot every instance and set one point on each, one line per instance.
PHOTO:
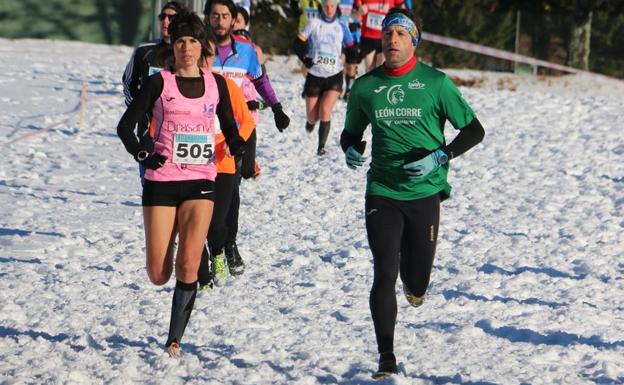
(527, 287)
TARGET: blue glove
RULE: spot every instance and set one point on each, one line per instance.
(417, 171)
(354, 157)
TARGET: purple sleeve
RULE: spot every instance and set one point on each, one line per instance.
(265, 89)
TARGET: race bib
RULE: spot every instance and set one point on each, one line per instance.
(373, 20)
(325, 60)
(193, 148)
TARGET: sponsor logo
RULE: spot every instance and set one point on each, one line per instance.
(416, 85)
(395, 94)
(369, 212)
(205, 192)
(169, 98)
(379, 89)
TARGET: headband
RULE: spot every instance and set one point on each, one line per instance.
(402, 21)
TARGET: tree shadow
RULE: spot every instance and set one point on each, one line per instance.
(559, 338)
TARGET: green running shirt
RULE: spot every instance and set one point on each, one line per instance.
(407, 114)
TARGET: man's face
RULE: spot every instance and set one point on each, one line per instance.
(165, 19)
(221, 21)
(396, 45)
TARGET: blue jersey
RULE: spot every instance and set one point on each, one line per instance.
(237, 61)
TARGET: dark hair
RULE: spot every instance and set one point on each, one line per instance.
(417, 21)
(210, 37)
(188, 24)
(228, 3)
(175, 5)
(243, 12)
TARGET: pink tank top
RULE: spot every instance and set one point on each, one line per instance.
(184, 132)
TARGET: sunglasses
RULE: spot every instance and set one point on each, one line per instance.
(164, 16)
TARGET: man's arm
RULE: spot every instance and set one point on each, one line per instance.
(468, 137)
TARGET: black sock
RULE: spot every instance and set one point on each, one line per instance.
(323, 133)
(309, 126)
(181, 308)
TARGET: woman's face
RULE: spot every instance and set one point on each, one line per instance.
(187, 51)
(239, 22)
(329, 8)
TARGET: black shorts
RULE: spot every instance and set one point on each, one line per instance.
(174, 193)
(315, 86)
(368, 45)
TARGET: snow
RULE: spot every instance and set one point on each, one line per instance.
(527, 287)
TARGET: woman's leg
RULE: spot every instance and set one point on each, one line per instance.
(193, 221)
(160, 230)
(312, 109)
(326, 105)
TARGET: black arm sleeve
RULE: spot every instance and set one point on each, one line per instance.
(136, 111)
(226, 118)
(467, 138)
(347, 140)
(300, 47)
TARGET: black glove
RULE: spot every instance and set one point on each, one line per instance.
(237, 146)
(152, 161)
(281, 119)
(308, 62)
(254, 105)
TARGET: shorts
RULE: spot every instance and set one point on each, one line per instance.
(315, 86)
(368, 45)
(175, 193)
(353, 55)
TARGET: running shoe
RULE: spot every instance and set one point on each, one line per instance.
(413, 300)
(174, 350)
(234, 259)
(220, 269)
(321, 151)
(387, 366)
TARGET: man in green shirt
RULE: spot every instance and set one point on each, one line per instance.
(407, 103)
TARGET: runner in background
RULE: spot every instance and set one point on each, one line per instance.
(319, 47)
(352, 57)
(147, 59)
(305, 10)
(236, 59)
(227, 180)
(371, 13)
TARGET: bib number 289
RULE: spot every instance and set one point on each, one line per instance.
(193, 148)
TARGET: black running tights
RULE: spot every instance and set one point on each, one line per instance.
(402, 236)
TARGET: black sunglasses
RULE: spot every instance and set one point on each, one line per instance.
(163, 16)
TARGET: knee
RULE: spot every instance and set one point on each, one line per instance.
(158, 278)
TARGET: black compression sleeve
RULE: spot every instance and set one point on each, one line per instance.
(225, 113)
(467, 138)
(136, 111)
(347, 140)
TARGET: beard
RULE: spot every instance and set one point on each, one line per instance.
(223, 36)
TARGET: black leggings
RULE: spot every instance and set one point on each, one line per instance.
(402, 236)
(224, 223)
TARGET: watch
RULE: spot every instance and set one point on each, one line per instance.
(142, 155)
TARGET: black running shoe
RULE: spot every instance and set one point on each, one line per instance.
(234, 259)
(387, 366)
(321, 151)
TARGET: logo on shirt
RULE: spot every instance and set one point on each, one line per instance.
(379, 89)
(395, 94)
(416, 85)
(169, 98)
(209, 110)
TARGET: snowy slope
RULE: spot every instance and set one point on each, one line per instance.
(527, 287)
